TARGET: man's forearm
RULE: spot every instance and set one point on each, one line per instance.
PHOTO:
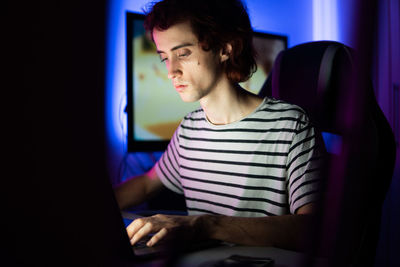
(131, 192)
(284, 231)
(137, 189)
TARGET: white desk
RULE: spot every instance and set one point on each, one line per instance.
(207, 257)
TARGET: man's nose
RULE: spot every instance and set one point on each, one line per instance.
(173, 69)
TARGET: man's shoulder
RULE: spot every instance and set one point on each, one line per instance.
(196, 115)
(283, 108)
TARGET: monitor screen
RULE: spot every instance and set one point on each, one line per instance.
(154, 108)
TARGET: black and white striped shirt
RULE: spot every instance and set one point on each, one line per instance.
(265, 164)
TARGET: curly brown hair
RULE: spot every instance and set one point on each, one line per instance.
(215, 23)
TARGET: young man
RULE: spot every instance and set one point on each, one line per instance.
(247, 166)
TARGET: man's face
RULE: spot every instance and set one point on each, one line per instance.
(193, 71)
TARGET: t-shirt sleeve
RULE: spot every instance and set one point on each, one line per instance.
(167, 167)
(304, 167)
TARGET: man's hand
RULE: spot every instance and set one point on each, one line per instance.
(164, 226)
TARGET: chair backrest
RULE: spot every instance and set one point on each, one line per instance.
(321, 77)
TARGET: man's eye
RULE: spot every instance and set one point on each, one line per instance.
(163, 59)
(183, 54)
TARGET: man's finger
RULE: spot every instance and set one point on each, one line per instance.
(157, 237)
(142, 232)
(134, 226)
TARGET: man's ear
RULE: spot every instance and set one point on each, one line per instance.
(226, 52)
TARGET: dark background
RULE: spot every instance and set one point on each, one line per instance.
(54, 173)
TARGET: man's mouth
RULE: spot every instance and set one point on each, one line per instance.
(180, 87)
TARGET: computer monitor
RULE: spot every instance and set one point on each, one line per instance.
(154, 107)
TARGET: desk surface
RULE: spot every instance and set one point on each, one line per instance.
(208, 257)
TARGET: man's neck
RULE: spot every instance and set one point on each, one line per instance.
(229, 104)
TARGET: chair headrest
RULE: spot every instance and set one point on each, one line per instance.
(313, 76)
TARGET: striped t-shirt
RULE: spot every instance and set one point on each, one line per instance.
(265, 164)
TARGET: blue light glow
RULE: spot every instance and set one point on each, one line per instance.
(333, 143)
(115, 80)
(325, 24)
(287, 17)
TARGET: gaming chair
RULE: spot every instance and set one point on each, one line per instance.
(322, 77)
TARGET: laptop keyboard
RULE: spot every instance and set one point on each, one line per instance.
(142, 243)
